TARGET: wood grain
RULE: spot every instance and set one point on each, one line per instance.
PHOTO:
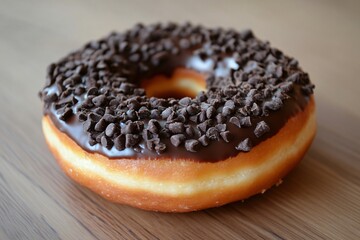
(320, 199)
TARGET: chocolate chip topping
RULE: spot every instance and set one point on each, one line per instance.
(192, 145)
(251, 87)
(245, 145)
(177, 127)
(261, 129)
(177, 139)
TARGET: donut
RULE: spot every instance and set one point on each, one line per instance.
(178, 117)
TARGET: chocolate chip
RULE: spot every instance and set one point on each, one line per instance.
(101, 125)
(212, 133)
(210, 112)
(270, 58)
(159, 58)
(185, 101)
(226, 111)
(166, 113)
(125, 88)
(244, 111)
(160, 148)
(154, 114)
(189, 131)
(99, 100)
(202, 116)
(192, 145)
(150, 144)
(88, 125)
(66, 114)
(143, 113)
(287, 86)
(81, 116)
(165, 133)
(279, 71)
(131, 140)
(259, 56)
(134, 57)
(196, 133)
(235, 121)
(177, 139)
(131, 114)
(230, 104)
(119, 142)
(204, 140)
(184, 43)
(175, 51)
(181, 118)
(81, 69)
(94, 117)
(101, 65)
(295, 78)
(192, 109)
(50, 74)
(194, 118)
(153, 126)
(254, 80)
(250, 67)
(245, 122)
(230, 92)
(293, 63)
(244, 146)
(109, 117)
(100, 111)
(221, 127)
(220, 118)
(98, 136)
(171, 117)
(50, 98)
(68, 81)
(261, 129)
(131, 127)
(111, 130)
(139, 92)
(276, 52)
(226, 136)
(204, 105)
(308, 89)
(246, 34)
(203, 126)
(274, 104)
(106, 142)
(271, 68)
(255, 110)
(182, 111)
(133, 104)
(201, 97)
(240, 76)
(92, 142)
(146, 134)
(177, 127)
(214, 102)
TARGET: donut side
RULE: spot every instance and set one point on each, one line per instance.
(183, 185)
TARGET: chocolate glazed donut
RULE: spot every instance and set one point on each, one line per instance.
(171, 117)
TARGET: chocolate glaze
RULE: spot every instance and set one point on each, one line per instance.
(215, 151)
(218, 150)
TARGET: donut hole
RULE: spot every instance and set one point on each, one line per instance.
(182, 83)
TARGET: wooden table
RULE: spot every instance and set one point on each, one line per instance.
(319, 199)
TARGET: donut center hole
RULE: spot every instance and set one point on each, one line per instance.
(182, 83)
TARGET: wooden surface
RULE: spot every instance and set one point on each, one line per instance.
(319, 199)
